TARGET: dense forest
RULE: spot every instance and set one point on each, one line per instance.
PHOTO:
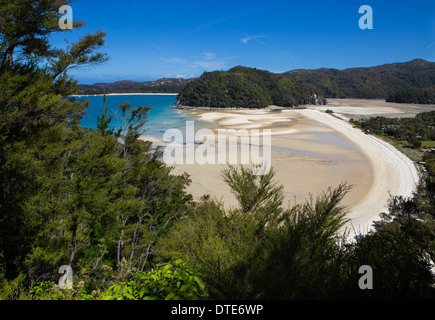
(368, 83)
(414, 95)
(158, 86)
(242, 87)
(102, 204)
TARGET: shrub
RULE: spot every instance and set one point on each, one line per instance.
(177, 281)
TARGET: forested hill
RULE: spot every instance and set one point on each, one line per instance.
(378, 82)
(164, 85)
(414, 95)
(242, 87)
(406, 82)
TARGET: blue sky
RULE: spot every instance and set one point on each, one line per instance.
(148, 40)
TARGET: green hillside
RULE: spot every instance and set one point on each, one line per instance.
(407, 82)
(368, 83)
(126, 86)
(414, 95)
(242, 87)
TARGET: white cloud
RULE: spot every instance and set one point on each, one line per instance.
(210, 65)
(210, 62)
(246, 39)
(209, 55)
(173, 60)
(430, 46)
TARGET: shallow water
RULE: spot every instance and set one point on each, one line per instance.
(160, 117)
(308, 161)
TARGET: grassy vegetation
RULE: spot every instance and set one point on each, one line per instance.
(404, 147)
(409, 135)
(428, 144)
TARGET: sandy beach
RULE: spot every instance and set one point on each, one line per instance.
(311, 151)
(364, 108)
(393, 172)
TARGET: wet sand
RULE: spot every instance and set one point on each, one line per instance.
(364, 108)
(312, 150)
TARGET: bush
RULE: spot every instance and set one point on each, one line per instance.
(260, 250)
(414, 142)
(48, 290)
(16, 289)
(177, 281)
(170, 281)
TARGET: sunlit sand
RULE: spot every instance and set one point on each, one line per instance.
(313, 150)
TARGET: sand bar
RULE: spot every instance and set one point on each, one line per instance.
(312, 150)
(365, 108)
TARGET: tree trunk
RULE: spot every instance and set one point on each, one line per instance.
(121, 246)
(73, 244)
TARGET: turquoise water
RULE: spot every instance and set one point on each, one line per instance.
(160, 118)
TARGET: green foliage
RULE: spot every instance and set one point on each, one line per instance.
(415, 218)
(428, 144)
(103, 122)
(33, 118)
(414, 95)
(378, 82)
(413, 141)
(298, 253)
(48, 290)
(242, 87)
(404, 245)
(254, 192)
(16, 289)
(71, 195)
(251, 88)
(400, 270)
(177, 281)
(169, 281)
(429, 159)
(412, 130)
(251, 252)
(221, 243)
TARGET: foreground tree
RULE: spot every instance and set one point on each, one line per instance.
(32, 79)
(69, 194)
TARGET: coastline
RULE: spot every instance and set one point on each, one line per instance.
(271, 107)
(393, 173)
(389, 173)
(124, 94)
